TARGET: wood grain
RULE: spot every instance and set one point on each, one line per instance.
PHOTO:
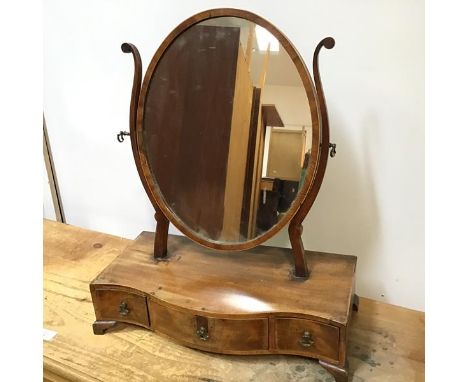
(237, 152)
(295, 226)
(247, 203)
(232, 294)
(145, 172)
(386, 342)
(233, 335)
(258, 155)
(52, 174)
(325, 338)
(186, 130)
(235, 283)
(163, 224)
(108, 302)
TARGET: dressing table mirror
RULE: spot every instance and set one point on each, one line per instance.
(230, 138)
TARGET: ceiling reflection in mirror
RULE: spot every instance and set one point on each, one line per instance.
(227, 129)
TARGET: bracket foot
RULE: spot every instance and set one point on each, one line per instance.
(341, 374)
(101, 327)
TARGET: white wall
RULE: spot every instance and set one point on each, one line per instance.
(372, 199)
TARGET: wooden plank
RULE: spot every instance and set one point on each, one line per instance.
(248, 50)
(260, 142)
(271, 116)
(184, 170)
(51, 174)
(238, 152)
(386, 342)
(249, 169)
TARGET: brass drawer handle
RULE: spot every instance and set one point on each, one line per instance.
(306, 340)
(123, 309)
(202, 333)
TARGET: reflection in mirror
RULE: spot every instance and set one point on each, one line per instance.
(227, 129)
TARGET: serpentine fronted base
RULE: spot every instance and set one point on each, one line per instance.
(232, 303)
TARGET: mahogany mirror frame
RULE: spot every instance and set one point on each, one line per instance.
(317, 162)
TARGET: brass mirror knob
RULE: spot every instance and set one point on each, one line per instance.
(123, 309)
(306, 340)
(202, 333)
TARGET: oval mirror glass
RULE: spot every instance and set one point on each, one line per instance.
(226, 130)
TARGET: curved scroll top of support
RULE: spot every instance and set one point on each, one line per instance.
(130, 48)
(328, 43)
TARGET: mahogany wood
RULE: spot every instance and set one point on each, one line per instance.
(297, 248)
(144, 169)
(324, 339)
(130, 48)
(186, 127)
(208, 276)
(160, 239)
(341, 374)
(101, 327)
(305, 197)
(295, 226)
(219, 335)
(163, 224)
(231, 295)
(384, 339)
(225, 302)
(124, 306)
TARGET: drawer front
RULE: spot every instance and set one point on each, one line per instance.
(213, 334)
(120, 306)
(307, 337)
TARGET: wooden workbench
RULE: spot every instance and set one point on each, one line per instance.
(386, 344)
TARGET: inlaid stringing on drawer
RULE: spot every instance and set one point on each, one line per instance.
(208, 332)
(121, 305)
(307, 337)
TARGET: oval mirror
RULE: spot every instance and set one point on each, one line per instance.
(228, 131)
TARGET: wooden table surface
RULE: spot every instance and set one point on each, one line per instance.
(386, 342)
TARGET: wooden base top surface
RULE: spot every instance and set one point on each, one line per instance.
(252, 282)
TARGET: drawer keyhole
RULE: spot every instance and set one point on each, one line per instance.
(123, 309)
(306, 340)
(202, 333)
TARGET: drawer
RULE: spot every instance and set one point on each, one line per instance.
(111, 304)
(307, 337)
(212, 334)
